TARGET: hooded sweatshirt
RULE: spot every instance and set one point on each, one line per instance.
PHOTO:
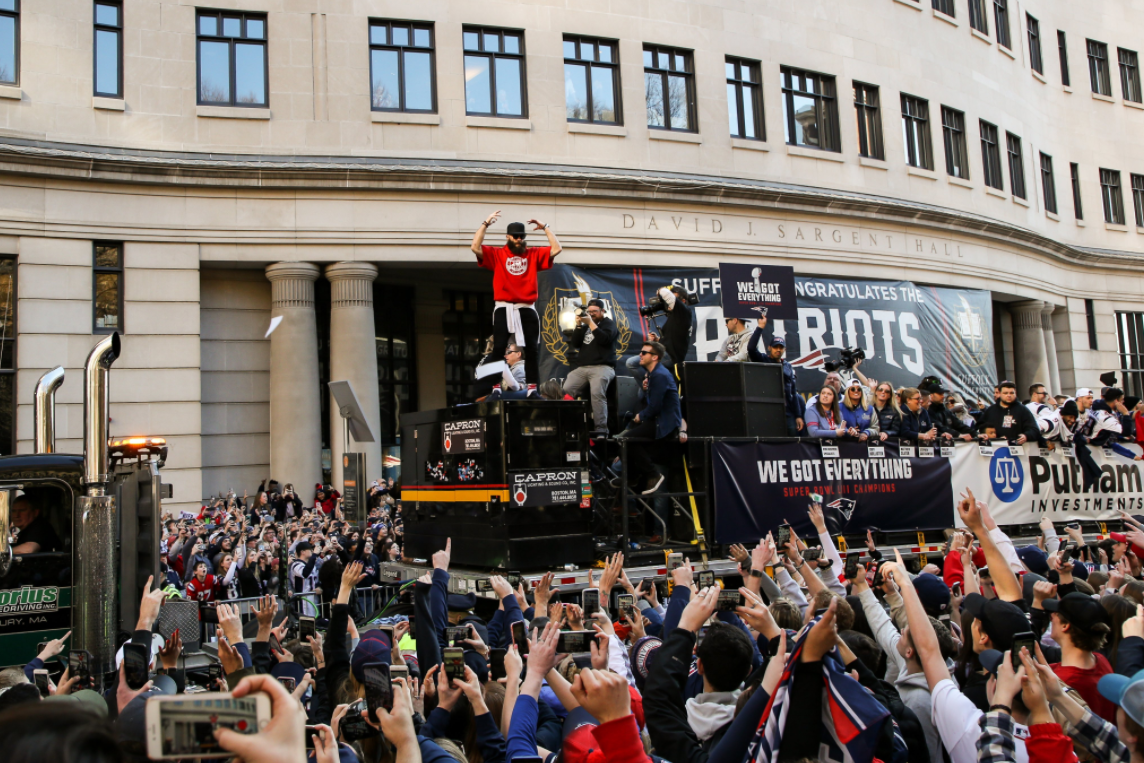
(710, 711)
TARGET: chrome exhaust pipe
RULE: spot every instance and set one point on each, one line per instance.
(44, 410)
(96, 463)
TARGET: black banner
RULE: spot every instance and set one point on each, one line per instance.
(753, 290)
(544, 487)
(463, 436)
(907, 331)
(758, 486)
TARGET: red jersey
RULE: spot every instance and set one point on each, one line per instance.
(204, 591)
(514, 276)
(1084, 681)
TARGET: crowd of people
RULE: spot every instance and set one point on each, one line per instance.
(993, 653)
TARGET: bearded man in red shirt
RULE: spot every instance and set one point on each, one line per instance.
(514, 267)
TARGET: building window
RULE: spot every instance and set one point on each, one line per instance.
(1074, 171)
(1138, 198)
(744, 99)
(869, 121)
(1063, 54)
(232, 59)
(401, 67)
(466, 329)
(592, 80)
(109, 49)
(956, 151)
(915, 126)
(7, 356)
(9, 45)
(1034, 44)
(1016, 165)
(978, 19)
(1098, 68)
(1048, 186)
(107, 287)
(810, 109)
(1090, 320)
(394, 321)
(945, 6)
(991, 156)
(669, 77)
(1110, 196)
(1129, 74)
(1130, 338)
(494, 72)
(1001, 21)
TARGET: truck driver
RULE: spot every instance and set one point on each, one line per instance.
(34, 533)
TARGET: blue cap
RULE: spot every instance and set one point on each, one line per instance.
(1035, 559)
(933, 593)
(373, 647)
(778, 341)
(1125, 692)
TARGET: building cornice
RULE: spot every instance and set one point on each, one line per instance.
(296, 172)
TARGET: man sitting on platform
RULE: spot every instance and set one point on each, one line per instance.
(659, 420)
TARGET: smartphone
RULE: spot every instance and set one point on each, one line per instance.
(513, 578)
(79, 666)
(214, 671)
(311, 732)
(484, 585)
(877, 575)
(288, 683)
(179, 726)
(851, 566)
(1028, 640)
(590, 602)
(135, 659)
(453, 634)
(496, 663)
(455, 663)
(306, 628)
(275, 644)
(812, 554)
(957, 589)
(674, 561)
(520, 636)
(353, 727)
(782, 536)
(42, 682)
(378, 687)
(1069, 550)
(388, 631)
(40, 647)
(398, 671)
(626, 604)
(728, 600)
(412, 627)
(572, 642)
(706, 579)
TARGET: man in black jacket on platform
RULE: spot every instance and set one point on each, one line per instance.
(1008, 420)
(594, 340)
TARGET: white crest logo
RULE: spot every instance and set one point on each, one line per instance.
(516, 265)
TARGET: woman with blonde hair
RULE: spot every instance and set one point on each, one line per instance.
(889, 418)
(858, 415)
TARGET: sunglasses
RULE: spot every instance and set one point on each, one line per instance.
(518, 237)
(646, 352)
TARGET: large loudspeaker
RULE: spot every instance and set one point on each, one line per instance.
(734, 399)
(623, 398)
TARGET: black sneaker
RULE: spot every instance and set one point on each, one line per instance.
(653, 484)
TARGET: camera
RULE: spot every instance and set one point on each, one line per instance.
(656, 305)
(850, 358)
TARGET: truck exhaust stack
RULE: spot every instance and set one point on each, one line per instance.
(45, 410)
(96, 464)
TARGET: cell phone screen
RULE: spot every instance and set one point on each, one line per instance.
(453, 634)
(42, 682)
(275, 644)
(214, 671)
(186, 726)
(306, 627)
(782, 536)
(572, 642)
(706, 578)
(1028, 640)
(378, 689)
(79, 666)
(455, 663)
(520, 637)
(288, 683)
(727, 601)
(674, 561)
(135, 659)
(311, 732)
(851, 566)
(590, 602)
(496, 663)
(626, 603)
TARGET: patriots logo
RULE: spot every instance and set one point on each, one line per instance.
(838, 513)
(844, 506)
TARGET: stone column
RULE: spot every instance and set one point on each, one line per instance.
(353, 357)
(1054, 380)
(295, 405)
(1028, 346)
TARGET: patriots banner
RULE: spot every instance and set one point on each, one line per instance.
(907, 331)
(759, 486)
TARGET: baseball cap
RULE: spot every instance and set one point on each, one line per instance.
(373, 647)
(778, 341)
(516, 229)
(999, 619)
(991, 659)
(1082, 610)
(855, 383)
(1035, 559)
(1084, 392)
(1127, 693)
(933, 593)
(1118, 537)
(641, 655)
(303, 546)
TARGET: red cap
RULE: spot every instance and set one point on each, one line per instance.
(581, 747)
(1118, 537)
(637, 705)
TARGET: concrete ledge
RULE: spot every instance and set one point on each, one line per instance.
(1052, 216)
(1066, 88)
(232, 112)
(11, 91)
(1037, 75)
(500, 123)
(402, 118)
(947, 19)
(749, 145)
(1116, 228)
(983, 37)
(958, 181)
(917, 6)
(872, 163)
(1019, 200)
(676, 135)
(994, 192)
(108, 104)
(1007, 51)
(815, 153)
(1102, 97)
(1134, 105)
(921, 172)
(590, 128)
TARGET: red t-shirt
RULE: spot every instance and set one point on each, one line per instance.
(1084, 681)
(514, 276)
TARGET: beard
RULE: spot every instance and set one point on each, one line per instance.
(517, 247)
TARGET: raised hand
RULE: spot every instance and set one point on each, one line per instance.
(441, 558)
(603, 694)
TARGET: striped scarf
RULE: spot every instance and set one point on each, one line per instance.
(852, 718)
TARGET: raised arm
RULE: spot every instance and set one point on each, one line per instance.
(1004, 580)
(553, 242)
(921, 629)
(479, 236)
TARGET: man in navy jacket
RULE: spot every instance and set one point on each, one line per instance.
(659, 420)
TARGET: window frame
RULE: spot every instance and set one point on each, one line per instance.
(1001, 21)
(1098, 71)
(481, 31)
(1063, 56)
(945, 7)
(389, 23)
(15, 340)
(1129, 74)
(96, 271)
(916, 127)
(978, 16)
(955, 140)
(1074, 178)
(1111, 196)
(991, 155)
(1015, 152)
(1048, 183)
(869, 120)
(232, 41)
(688, 74)
(825, 107)
(1033, 30)
(118, 31)
(15, 15)
(1129, 347)
(756, 86)
(614, 66)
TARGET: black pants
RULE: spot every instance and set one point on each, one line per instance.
(530, 322)
(640, 463)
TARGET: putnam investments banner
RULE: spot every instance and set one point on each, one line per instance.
(907, 331)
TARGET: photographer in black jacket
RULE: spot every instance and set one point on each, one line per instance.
(594, 367)
(677, 330)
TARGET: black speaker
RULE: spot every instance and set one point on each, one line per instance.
(734, 399)
(623, 398)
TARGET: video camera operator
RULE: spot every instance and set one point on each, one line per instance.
(676, 338)
(594, 340)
